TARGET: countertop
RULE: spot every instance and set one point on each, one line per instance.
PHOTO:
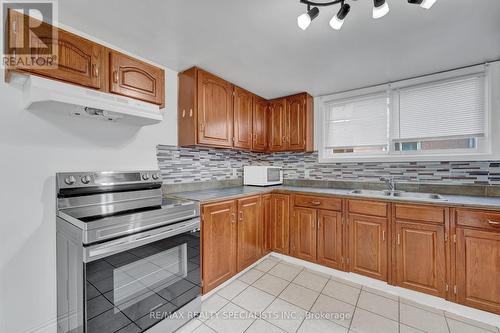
(219, 194)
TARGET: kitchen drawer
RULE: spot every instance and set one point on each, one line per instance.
(420, 213)
(364, 207)
(318, 202)
(478, 219)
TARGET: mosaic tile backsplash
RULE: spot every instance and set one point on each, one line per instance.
(186, 165)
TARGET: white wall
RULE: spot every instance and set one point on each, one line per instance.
(33, 147)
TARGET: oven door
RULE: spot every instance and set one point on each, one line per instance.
(135, 282)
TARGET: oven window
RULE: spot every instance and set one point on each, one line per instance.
(130, 289)
(273, 174)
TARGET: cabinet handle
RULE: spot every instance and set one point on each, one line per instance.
(399, 239)
(233, 217)
(183, 113)
(190, 112)
(115, 76)
(241, 215)
(494, 223)
(383, 235)
(202, 127)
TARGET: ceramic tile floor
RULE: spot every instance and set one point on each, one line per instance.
(275, 296)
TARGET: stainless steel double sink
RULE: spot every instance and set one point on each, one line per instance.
(399, 194)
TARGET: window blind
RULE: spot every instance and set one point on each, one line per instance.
(358, 122)
(447, 109)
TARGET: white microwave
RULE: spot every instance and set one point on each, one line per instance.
(262, 175)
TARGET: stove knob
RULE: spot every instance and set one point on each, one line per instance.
(156, 176)
(145, 176)
(70, 180)
(86, 179)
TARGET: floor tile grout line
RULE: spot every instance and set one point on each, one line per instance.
(354, 312)
(470, 324)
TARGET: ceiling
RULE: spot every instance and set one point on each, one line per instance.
(257, 44)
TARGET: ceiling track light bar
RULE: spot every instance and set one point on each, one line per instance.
(380, 9)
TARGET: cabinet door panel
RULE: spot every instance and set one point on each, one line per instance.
(303, 233)
(478, 269)
(136, 79)
(266, 217)
(296, 122)
(420, 256)
(243, 114)
(280, 230)
(330, 239)
(215, 110)
(79, 61)
(249, 231)
(368, 246)
(260, 116)
(219, 243)
(277, 125)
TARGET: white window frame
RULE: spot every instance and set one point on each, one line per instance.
(488, 146)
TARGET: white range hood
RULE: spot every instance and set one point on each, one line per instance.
(53, 96)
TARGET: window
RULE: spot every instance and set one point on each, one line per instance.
(443, 115)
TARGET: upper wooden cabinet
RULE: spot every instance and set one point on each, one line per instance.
(228, 116)
(133, 78)
(79, 61)
(260, 124)
(85, 63)
(243, 118)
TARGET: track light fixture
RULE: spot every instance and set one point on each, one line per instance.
(380, 9)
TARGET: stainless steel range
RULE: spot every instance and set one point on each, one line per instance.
(127, 258)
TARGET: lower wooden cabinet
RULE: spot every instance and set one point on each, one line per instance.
(368, 246)
(329, 242)
(478, 268)
(219, 237)
(280, 225)
(420, 257)
(303, 233)
(249, 231)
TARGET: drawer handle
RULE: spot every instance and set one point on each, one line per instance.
(115, 76)
(494, 223)
(95, 70)
(315, 203)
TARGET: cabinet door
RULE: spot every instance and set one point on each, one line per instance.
(136, 79)
(277, 126)
(478, 269)
(330, 239)
(249, 231)
(266, 218)
(420, 257)
(368, 246)
(243, 114)
(296, 122)
(219, 243)
(303, 233)
(280, 238)
(215, 110)
(78, 61)
(260, 116)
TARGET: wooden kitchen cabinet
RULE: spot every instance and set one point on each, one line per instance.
(243, 118)
(84, 62)
(296, 119)
(280, 224)
(329, 241)
(136, 79)
(277, 125)
(250, 231)
(303, 233)
(368, 246)
(260, 120)
(477, 263)
(79, 61)
(219, 236)
(420, 257)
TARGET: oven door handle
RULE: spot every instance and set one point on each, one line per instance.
(98, 251)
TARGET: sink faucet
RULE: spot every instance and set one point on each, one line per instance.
(389, 182)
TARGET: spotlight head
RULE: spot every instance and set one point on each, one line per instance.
(427, 4)
(380, 8)
(305, 19)
(338, 20)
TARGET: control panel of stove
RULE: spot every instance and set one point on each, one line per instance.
(103, 178)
